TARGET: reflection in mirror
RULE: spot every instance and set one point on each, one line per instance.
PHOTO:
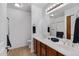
(68, 24)
(57, 26)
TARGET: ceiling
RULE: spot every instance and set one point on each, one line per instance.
(43, 5)
(60, 12)
(57, 13)
(27, 6)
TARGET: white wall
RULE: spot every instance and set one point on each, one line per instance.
(41, 21)
(3, 28)
(20, 27)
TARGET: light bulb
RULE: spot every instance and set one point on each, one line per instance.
(52, 14)
(17, 4)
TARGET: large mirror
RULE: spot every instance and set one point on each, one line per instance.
(57, 25)
(63, 20)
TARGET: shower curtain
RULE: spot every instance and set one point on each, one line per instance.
(76, 31)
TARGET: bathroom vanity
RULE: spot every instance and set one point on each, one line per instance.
(45, 47)
(42, 49)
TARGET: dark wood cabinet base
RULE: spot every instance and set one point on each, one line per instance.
(41, 49)
(51, 52)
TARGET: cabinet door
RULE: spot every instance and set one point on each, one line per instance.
(51, 52)
(43, 50)
(38, 48)
(34, 43)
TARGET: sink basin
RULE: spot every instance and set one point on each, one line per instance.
(55, 40)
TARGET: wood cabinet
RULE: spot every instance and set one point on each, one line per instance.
(34, 44)
(51, 52)
(59, 54)
(38, 48)
(41, 49)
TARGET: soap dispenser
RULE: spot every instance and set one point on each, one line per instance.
(48, 31)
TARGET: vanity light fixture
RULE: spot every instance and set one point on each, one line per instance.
(50, 7)
(54, 7)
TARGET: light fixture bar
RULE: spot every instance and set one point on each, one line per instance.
(55, 6)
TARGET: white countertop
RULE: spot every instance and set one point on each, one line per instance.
(60, 47)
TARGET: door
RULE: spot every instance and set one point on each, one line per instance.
(68, 22)
(3, 29)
